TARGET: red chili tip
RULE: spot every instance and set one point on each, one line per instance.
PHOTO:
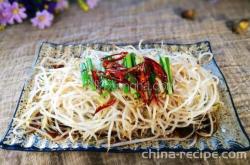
(107, 104)
(124, 53)
(117, 54)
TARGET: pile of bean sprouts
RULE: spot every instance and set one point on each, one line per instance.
(60, 108)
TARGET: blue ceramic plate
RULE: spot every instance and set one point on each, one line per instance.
(230, 135)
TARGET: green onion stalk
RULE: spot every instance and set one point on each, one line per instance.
(130, 61)
(86, 72)
(165, 63)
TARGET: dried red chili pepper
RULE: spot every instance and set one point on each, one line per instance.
(96, 78)
(114, 58)
(141, 72)
(110, 102)
(156, 68)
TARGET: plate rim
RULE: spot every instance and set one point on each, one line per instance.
(114, 150)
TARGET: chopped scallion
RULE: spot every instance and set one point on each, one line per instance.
(86, 69)
(108, 85)
(84, 75)
(165, 63)
(130, 61)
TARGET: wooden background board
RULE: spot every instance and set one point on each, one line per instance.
(128, 21)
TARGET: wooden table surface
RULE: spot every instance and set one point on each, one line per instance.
(129, 21)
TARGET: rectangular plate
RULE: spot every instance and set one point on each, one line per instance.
(230, 135)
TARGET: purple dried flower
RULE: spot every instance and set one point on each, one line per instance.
(61, 5)
(43, 19)
(4, 13)
(3, 3)
(92, 3)
(4, 17)
(16, 13)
